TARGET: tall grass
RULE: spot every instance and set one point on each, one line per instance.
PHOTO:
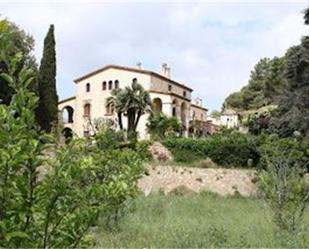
(198, 221)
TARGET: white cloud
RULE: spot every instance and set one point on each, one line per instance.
(210, 46)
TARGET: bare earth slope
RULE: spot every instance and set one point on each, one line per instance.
(221, 181)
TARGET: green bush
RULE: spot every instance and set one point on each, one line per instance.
(230, 150)
(160, 126)
(297, 149)
(284, 186)
(142, 149)
(51, 196)
(120, 169)
(108, 139)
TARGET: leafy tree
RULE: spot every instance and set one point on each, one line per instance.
(47, 112)
(160, 126)
(107, 138)
(51, 196)
(293, 111)
(215, 114)
(234, 101)
(16, 41)
(284, 186)
(133, 101)
(258, 123)
(264, 86)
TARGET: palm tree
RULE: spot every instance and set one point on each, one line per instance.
(117, 100)
(132, 101)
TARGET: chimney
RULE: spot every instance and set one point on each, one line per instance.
(139, 65)
(199, 101)
(166, 71)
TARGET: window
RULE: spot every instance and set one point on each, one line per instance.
(110, 85)
(184, 93)
(116, 84)
(88, 87)
(174, 110)
(110, 109)
(202, 116)
(169, 88)
(86, 134)
(134, 80)
(87, 109)
(104, 85)
(193, 115)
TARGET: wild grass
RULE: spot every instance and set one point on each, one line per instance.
(198, 221)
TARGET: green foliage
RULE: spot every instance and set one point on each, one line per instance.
(284, 185)
(120, 170)
(14, 40)
(228, 150)
(47, 112)
(142, 149)
(264, 87)
(293, 110)
(109, 139)
(258, 123)
(296, 149)
(160, 126)
(215, 114)
(132, 101)
(49, 196)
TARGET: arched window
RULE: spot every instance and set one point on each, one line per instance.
(134, 80)
(116, 84)
(193, 115)
(183, 113)
(104, 85)
(110, 85)
(174, 110)
(157, 105)
(67, 114)
(110, 109)
(87, 110)
(88, 87)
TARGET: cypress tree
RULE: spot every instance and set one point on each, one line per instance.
(47, 112)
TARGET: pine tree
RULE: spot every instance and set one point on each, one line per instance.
(293, 110)
(47, 112)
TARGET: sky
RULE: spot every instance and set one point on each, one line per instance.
(210, 46)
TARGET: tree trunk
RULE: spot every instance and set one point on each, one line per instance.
(139, 114)
(120, 120)
(131, 124)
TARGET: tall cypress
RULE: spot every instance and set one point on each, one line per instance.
(47, 112)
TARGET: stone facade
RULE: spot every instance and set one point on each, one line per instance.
(92, 90)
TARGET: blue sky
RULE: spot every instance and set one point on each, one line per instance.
(210, 45)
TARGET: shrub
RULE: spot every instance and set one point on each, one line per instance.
(284, 185)
(235, 150)
(58, 207)
(160, 126)
(297, 149)
(142, 149)
(230, 150)
(108, 139)
(120, 169)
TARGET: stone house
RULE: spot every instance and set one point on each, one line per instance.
(93, 89)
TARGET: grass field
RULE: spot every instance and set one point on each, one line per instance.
(203, 220)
